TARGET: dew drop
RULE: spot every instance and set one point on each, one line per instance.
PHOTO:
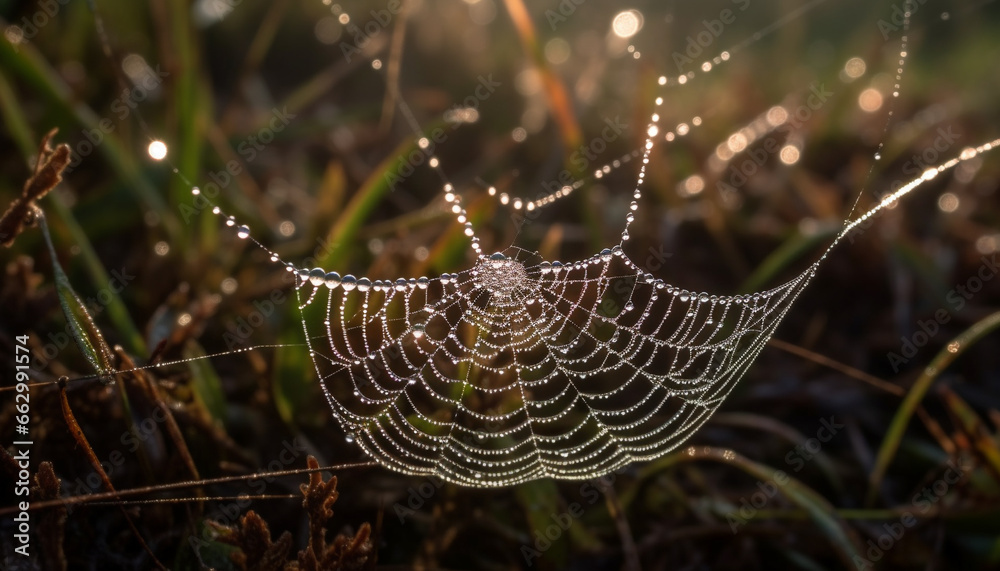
(243, 232)
(348, 282)
(349, 437)
(332, 280)
(317, 276)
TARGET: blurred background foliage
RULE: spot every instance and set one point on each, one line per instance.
(165, 281)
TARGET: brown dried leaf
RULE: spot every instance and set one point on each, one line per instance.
(47, 174)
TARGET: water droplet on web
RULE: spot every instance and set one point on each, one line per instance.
(418, 330)
(364, 284)
(317, 276)
(545, 267)
(243, 232)
(606, 255)
(349, 437)
(332, 280)
(348, 282)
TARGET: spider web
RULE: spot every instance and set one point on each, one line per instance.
(520, 369)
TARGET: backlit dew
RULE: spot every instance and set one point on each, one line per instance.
(691, 186)
(557, 51)
(317, 276)
(184, 319)
(854, 68)
(789, 154)
(157, 150)
(228, 286)
(988, 244)
(14, 34)
(377, 64)
(161, 248)
(286, 228)
(776, 115)
(243, 232)
(954, 346)
(948, 202)
(626, 24)
(349, 437)
(332, 280)
(870, 100)
(737, 142)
